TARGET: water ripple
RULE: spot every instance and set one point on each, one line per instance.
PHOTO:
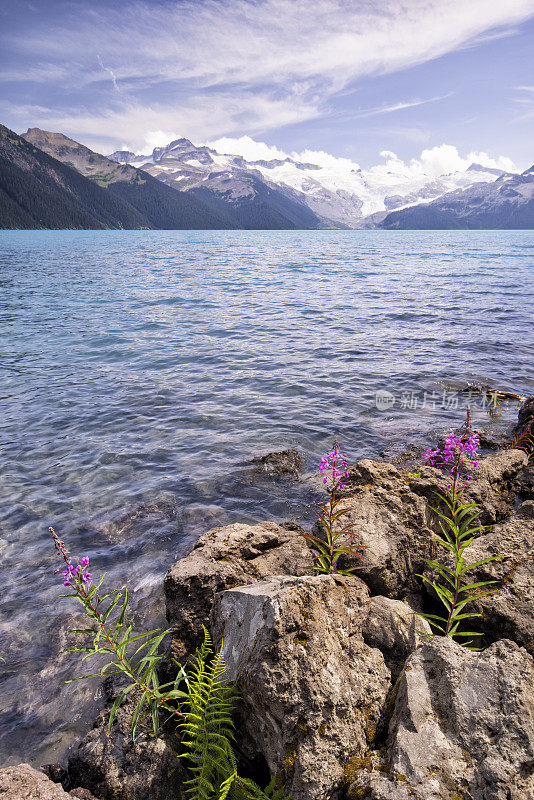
(141, 371)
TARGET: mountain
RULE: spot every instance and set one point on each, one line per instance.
(50, 181)
(230, 187)
(37, 191)
(159, 206)
(338, 194)
(507, 202)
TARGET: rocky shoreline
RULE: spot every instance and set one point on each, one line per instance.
(342, 696)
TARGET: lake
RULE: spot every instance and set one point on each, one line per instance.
(142, 371)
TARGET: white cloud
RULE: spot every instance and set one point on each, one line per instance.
(247, 65)
(526, 102)
(218, 43)
(147, 126)
(246, 146)
(446, 158)
(433, 162)
(110, 73)
(439, 169)
(402, 105)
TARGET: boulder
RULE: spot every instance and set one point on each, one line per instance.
(135, 520)
(393, 628)
(222, 558)
(492, 487)
(525, 417)
(524, 483)
(509, 612)
(391, 514)
(116, 767)
(526, 509)
(26, 783)
(312, 691)
(285, 462)
(392, 523)
(462, 728)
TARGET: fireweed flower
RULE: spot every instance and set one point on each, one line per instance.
(459, 525)
(112, 635)
(334, 540)
(72, 574)
(457, 457)
(334, 465)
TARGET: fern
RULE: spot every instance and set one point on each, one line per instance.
(208, 731)
(208, 728)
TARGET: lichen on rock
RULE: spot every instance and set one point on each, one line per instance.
(462, 726)
(222, 558)
(311, 690)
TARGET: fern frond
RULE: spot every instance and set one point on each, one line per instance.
(207, 733)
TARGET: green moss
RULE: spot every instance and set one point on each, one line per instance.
(370, 724)
(288, 764)
(359, 792)
(355, 765)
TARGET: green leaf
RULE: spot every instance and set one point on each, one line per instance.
(430, 618)
(123, 609)
(476, 585)
(423, 615)
(117, 703)
(226, 786)
(484, 561)
(444, 593)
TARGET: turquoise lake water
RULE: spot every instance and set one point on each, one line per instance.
(141, 371)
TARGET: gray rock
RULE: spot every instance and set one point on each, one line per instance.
(524, 484)
(392, 523)
(82, 794)
(525, 417)
(526, 509)
(312, 690)
(509, 612)
(462, 728)
(135, 520)
(493, 485)
(223, 558)
(393, 628)
(491, 441)
(26, 783)
(115, 767)
(391, 514)
(285, 462)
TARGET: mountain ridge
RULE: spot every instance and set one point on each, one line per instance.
(236, 201)
(49, 180)
(357, 198)
(37, 191)
(160, 206)
(507, 203)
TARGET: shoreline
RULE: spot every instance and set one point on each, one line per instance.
(232, 570)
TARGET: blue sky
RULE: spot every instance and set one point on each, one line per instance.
(349, 78)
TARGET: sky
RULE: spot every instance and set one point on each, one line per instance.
(358, 79)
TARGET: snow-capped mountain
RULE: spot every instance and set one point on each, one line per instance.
(336, 190)
(507, 202)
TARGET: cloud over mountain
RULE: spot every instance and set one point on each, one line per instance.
(213, 68)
